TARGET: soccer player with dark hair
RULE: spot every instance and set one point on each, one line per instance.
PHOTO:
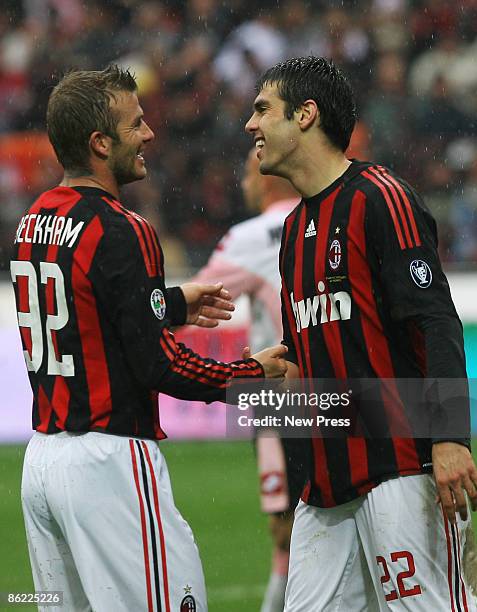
(364, 297)
(95, 317)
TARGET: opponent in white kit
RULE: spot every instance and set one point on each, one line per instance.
(364, 298)
(95, 316)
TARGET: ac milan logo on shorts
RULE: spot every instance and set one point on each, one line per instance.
(188, 604)
(334, 254)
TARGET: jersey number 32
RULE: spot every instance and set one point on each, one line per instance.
(63, 365)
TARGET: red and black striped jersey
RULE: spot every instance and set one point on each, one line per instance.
(94, 317)
(364, 297)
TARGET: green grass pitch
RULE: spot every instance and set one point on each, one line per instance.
(215, 487)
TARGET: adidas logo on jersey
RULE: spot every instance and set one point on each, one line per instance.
(321, 308)
(310, 230)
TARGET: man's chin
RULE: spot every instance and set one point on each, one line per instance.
(265, 168)
(125, 179)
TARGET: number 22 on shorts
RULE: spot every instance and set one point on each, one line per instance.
(404, 591)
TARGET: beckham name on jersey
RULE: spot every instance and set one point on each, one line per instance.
(48, 229)
(306, 311)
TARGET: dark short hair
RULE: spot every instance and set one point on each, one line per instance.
(316, 78)
(78, 106)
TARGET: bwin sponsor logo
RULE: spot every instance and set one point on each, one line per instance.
(321, 308)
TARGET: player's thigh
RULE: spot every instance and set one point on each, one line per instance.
(51, 561)
(280, 526)
(414, 553)
(359, 594)
(184, 567)
(325, 566)
(112, 497)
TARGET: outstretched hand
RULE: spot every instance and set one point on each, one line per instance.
(455, 473)
(207, 304)
(271, 359)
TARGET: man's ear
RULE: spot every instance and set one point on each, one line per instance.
(307, 115)
(100, 144)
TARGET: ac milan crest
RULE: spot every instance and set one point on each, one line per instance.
(188, 604)
(334, 254)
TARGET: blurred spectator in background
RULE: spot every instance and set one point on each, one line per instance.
(249, 49)
(388, 26)
(386, 109)
(412, 64)
(463, 207)
(303, 27)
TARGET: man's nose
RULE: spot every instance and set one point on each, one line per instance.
(149, 135)
(251, 126)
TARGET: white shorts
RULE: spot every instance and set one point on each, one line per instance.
(102, 526)
(392, 549)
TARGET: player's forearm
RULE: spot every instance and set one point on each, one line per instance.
(160, 363)
(444, 346)
(445, 369)
(191, 377)
(177, 306)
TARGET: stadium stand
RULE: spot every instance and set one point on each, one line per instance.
(412, 64)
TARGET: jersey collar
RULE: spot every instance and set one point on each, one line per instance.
(354, 169)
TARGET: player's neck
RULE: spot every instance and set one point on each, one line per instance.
(273, 197)
(317, 171)
(106, 183)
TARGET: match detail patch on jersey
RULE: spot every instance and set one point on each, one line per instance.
(334, 254)
(158, 304)
(310, 230)
(420, 273)
(188, 604)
